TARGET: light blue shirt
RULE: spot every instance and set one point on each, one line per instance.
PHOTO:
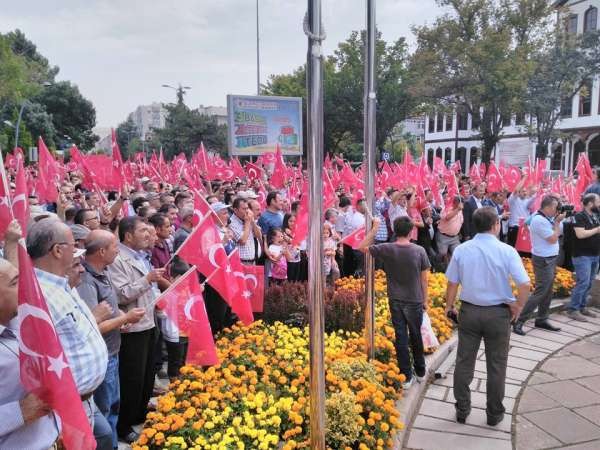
(542, 228)
(39, 434)
(484, 267)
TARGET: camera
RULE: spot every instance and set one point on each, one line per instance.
(568, 210)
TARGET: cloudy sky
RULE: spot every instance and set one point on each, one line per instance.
(120, 52)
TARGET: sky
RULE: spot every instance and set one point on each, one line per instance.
(120, 52)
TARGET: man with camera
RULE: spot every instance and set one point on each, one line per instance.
(545, 228)
(586, 251)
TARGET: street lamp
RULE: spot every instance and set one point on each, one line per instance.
(18, 126)
(180, 90)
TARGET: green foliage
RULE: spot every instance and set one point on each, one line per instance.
(343, 425)
(344, 92)
(479, 56)
(127, 132)
(185, 129)
(52, 110)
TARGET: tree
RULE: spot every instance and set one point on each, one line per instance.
(561, 71)
(72, 114)
(344, 92)
(185, 129)
(478, 57)
(126, 132)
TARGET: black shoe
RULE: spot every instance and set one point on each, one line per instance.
(545, 325)
(493, 421)
(130, 437)
(518, 328)
(461, 419)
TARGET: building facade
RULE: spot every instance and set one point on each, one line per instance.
(453, 136)
(220, 112)
(147, 117)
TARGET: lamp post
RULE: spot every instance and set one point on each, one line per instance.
(180, 90)
(314, 86)
(257, 52)
(370, 103)
(18, 125)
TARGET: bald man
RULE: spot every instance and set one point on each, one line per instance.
(25, 421)
(51, 246)
(95, 289)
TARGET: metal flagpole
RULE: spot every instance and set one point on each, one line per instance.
(370, 101)
(257, 52)
(314, 84)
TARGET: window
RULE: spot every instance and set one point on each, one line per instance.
(585, 99)
(431, 123)
(590, 19)
(462, 118)
(439, 126)
(566, 107)
(506, 118)
(449, 119)
(572, 24)
(520, 118)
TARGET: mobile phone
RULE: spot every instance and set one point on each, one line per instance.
(452, 316)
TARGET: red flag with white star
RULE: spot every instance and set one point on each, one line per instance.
(44, 368)
(184, 306)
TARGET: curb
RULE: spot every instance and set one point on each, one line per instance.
(409, 404)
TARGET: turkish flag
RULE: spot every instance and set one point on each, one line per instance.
(494, 179)
(255, 280)
(301, 228)
(253, 172)
(44, 368)
(240, 288)
(48, 175)
(5, 209)
(201, 208)
(512, 178)
(203, 248)
(280, 170)
(20, 201)
(118, 172)
(474, 173)
(355, 238)
(523, 243)
(184, 306)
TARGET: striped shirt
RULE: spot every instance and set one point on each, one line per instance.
(77, 330)
(248, 251)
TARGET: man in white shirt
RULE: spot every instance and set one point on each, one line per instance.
(519, 204)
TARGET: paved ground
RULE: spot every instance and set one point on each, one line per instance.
(552, 397)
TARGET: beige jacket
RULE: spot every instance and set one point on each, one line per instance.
(128, 276)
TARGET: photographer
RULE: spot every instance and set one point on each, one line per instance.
(545, 228)
(586, 251)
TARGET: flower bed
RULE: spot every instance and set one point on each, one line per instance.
(258, 398)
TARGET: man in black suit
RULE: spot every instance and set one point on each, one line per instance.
(474, 202)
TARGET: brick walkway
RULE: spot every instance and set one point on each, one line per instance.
(552, 385)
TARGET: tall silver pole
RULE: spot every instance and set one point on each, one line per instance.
(314, 85)
(370, 101)
(18, 126)
(257, 52)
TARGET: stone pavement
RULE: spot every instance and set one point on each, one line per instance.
(552, 396)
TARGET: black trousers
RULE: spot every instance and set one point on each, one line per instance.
(511, 236)
(349, 263)
(177, 352)
(492, 323)
(407, 318)
(136, 377)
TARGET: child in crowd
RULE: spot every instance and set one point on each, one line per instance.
(279, 255)
(330, 265)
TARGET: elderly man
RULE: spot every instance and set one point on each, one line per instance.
(246, 233)
(25, 421)
(135, 282)
(51, 246)
(96, 289)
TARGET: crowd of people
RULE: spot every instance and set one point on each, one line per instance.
(103, 262)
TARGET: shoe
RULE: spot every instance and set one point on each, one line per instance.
(460, 418)
(407, 384)
(518, 328)
(576, 315)
(587, 312)
(545, 325)
(130, 437)
(493, 421)
(421, 378)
